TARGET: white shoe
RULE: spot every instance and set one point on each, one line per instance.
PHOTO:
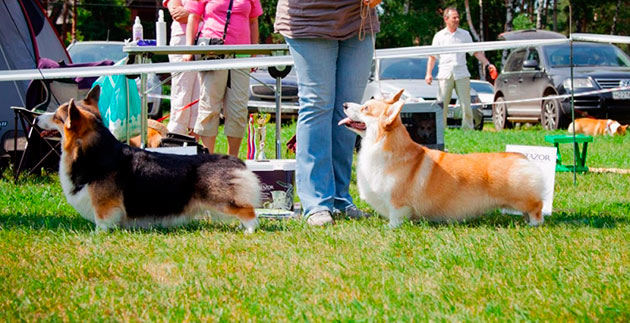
(320, 218)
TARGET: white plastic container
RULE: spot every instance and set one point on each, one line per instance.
(277, 177)
(137, 30)
(160, 30)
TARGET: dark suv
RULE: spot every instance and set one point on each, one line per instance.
(543, 71)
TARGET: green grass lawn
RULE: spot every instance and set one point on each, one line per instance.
(575, 267)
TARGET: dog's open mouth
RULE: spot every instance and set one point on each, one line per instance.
(352, 124)
(49, 133)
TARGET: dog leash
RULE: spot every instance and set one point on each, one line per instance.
(365, 13)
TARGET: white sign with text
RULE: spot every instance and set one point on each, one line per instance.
(545, 158)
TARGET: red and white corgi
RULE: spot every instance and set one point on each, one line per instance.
(115, 185)
(594, 127)
(401, 179)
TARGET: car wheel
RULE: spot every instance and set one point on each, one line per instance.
(499, 114)
(551, 117)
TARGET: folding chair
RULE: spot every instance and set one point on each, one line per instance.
(44, 96)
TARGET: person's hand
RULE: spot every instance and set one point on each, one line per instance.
(187, 58)
(179, 14)
(428, 79)
(372, 3)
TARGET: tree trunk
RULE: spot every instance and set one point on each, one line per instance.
(482, 71)
(64, 17)
(473, 31)
(74, 21)
(614, 23)
(509, 17)
(555, 15)
(539, 14)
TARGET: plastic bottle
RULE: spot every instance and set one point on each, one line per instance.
(160, 29)
(137, 30)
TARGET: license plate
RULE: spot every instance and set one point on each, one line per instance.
(621, 95)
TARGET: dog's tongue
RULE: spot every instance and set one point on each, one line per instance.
(344, 121)
(352, 124)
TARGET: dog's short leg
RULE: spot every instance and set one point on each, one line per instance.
(107, 218)
(397, 216)
(532, 211)
(246, 214)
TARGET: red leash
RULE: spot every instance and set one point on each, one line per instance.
(182, 109)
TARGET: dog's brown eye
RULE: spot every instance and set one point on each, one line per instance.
(364, 108)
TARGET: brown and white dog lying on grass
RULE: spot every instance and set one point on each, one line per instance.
(115, 185)
(401, 179)
(595, 127)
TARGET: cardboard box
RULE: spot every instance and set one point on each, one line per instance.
(277, 177)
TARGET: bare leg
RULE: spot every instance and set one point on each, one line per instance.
(234, 144)
(208, 142)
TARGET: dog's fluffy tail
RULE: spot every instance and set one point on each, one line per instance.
(247, 187)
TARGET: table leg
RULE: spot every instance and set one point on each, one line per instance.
(144, 107)
(278, 117)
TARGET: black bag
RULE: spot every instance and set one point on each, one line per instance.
(203, 41)
(177, 140)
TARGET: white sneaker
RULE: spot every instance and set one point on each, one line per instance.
(320, 218)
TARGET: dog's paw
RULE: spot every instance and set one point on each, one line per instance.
(249, 226)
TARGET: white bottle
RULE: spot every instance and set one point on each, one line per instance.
(137, 30)
(160, 29)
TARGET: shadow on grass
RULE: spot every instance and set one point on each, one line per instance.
(77, 224)
(593, 216)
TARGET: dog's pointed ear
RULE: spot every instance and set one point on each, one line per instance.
(73, 114)
(391, 113)
(93, 96)
(396, 97)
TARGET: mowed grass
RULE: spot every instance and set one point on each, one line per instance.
(575, 267)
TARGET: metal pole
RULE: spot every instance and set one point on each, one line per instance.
(128, 135)
(144, 106)
(575, 145)
(278, 117)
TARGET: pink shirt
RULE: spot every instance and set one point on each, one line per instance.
(214, 13)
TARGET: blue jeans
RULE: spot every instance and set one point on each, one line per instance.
(329, 73)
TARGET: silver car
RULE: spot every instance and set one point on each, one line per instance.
(408, 73)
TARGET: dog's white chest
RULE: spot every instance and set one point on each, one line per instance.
(81, 200)
(375, 185)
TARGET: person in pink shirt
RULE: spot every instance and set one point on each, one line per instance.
(184, 85)
(219, 92)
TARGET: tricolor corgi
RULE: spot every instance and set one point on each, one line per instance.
(115, 185)
(402, 180)
(594, 127)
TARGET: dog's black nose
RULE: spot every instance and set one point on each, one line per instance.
(345, 106)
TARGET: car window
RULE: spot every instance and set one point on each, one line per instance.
(95, 52)
(404, 68)
(482, 87)
(515, 61)
(586, 55)
(533, 55)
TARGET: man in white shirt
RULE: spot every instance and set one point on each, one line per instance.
(452, 70)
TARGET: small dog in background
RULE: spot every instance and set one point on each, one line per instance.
(114, 185)
(155, 132)
(401, 179)
(596, 127)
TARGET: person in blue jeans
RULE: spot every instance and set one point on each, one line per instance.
(332, 61)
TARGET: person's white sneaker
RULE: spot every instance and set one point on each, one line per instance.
(320, 218)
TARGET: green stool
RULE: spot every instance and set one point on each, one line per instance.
(556, 140)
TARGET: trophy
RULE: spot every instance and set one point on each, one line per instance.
(257, 131)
